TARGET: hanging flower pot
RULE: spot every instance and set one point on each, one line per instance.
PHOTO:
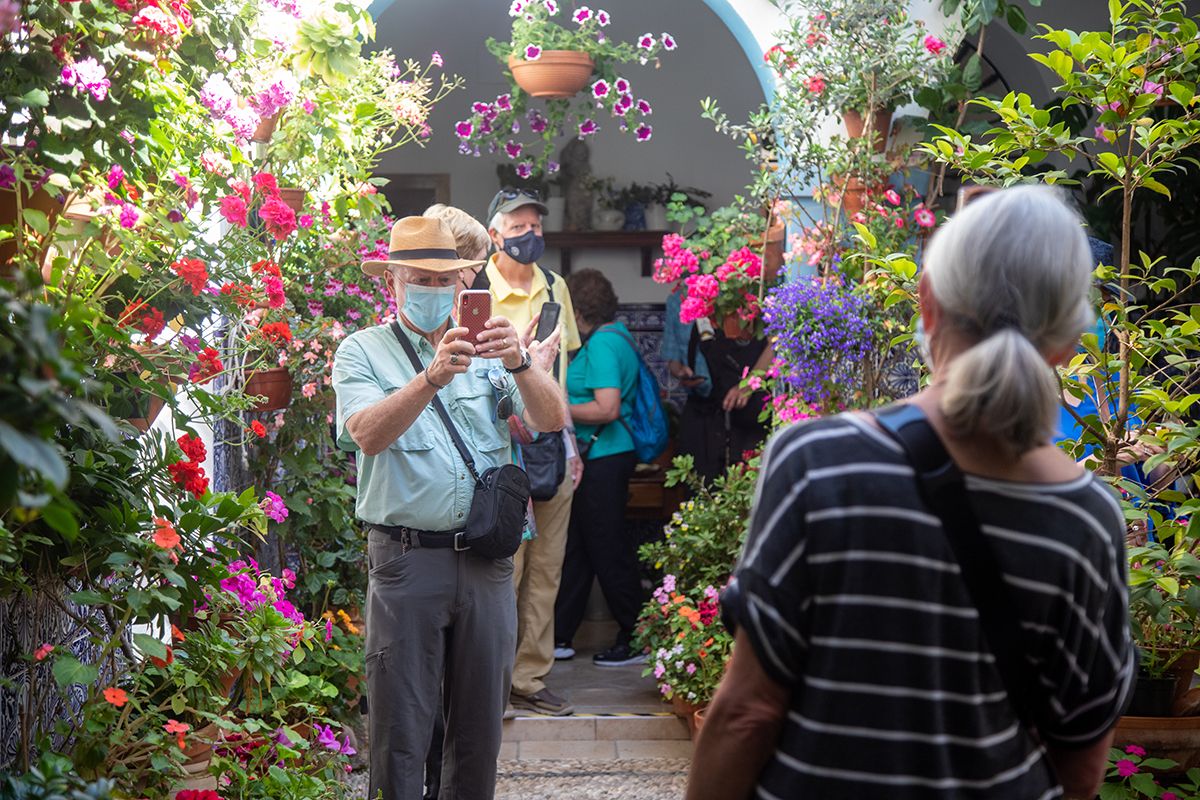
(274, 384)
(734, 327)
(881, 125)
(853, 192)
(266, 128)
(555, 75)
(40, 200)
(293, 198)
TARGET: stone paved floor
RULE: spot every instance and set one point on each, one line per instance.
(644, 779)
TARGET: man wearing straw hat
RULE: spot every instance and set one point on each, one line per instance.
(436, 614)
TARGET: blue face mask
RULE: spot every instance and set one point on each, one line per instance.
(526, 248)
(428, 307)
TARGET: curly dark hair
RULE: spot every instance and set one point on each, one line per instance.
(593, 296)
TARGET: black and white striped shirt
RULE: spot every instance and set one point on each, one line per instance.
(850, 593)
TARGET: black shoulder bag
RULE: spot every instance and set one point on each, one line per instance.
(497, 517)
(545, 457)
(945, 494)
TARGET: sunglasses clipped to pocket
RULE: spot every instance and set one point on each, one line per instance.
(502, 388)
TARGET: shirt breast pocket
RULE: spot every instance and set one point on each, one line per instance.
(478, 405)
(417, 437)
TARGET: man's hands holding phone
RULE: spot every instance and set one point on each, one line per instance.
(452, 357)
(544, 353)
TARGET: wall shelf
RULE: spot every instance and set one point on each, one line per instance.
(648, 242)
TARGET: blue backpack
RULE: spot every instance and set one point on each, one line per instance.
(648, 426)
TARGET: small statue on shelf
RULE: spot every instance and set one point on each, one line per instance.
(574, 175)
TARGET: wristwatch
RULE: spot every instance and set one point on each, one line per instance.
(526, 363)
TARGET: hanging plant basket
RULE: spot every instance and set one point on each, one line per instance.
(274, 384)
(293, 198)
(556, 75)
(266, 128)
(881, 125)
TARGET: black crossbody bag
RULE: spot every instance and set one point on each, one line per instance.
(497, 517)
(944, 492)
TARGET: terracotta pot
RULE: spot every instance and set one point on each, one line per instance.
(275, 384)
(773, 252)
(854, 194)
(881, 125)
(293, 198)
(266, 128)
(556, 75)
(698, 720)
(1176, 738)
(734, 328)
(154, 404)
(41, 200)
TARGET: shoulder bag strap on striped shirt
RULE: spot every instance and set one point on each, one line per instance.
(945, 494)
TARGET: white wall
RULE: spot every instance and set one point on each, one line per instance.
(709, 62)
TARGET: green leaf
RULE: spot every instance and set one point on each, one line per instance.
(178, 704)
(88, 597)
(62, 520)
(1155, 186)
(150, 645)
(38, 98)
(34, 454)
(36, 220)
(68, 670)
(973, 72)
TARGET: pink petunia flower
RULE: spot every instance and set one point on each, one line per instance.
(621, 85)
(512, 150)
(668, 41)
(516, 8)
(600, 89)
(602, 17)
(924, 218)
(532, 52)
(436, 59)
(934, 45)
(464, 129)
(646, 41)
(504, 102)
(551, 6)
(582, 15)
(644, 108)
(587, 127)
(643, 133)
(524, 170)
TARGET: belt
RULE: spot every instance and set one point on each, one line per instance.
(412, 537)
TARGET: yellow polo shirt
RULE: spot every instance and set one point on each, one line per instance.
(520, 307)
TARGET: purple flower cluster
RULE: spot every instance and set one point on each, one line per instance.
(274, 507)
(276, 97)
(254, 590)
(822, 332)
(219, 97)
(328, 739)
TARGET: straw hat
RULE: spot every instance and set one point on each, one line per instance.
(423, 243)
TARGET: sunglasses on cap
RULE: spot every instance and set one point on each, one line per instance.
(509, 193)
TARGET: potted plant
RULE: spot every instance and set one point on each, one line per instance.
(586, 84)
(859, 59)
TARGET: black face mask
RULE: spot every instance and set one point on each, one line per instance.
(526, 248)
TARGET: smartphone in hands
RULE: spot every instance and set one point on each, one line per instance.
(548, 320)
(474, 309)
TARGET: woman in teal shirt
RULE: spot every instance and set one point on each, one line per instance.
(601, 383)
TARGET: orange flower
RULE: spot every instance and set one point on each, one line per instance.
(177, 728)
(176, 634)
(42, 652)
(165, 535)
(116, 696)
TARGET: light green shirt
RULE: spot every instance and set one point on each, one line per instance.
(419, 481)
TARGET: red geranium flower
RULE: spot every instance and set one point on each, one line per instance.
(241, 187)
(241, 292)
(277, 332)
(233, 209)
(189, 476)
(278, 218)
(193, 271)
(206, 366)
(258, 428)
(265, 182)
(147, 319)
(266, 265)
(192, 447)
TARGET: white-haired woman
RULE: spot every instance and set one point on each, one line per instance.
(862, 668)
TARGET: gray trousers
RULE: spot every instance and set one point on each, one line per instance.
(435, 618)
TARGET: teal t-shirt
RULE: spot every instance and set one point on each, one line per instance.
(606, 361)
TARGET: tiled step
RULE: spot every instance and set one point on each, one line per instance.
(596, 737)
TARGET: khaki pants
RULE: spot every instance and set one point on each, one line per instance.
(537, 570)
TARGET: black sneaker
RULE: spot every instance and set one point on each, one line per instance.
(619, 655)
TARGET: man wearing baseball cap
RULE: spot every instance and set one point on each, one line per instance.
(437, 614)
(519, 289)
